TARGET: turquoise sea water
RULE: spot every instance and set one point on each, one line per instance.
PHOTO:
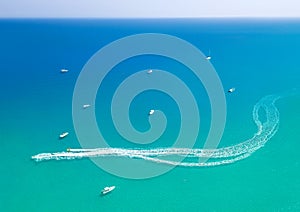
(258, 57)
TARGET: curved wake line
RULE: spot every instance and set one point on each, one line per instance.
(266, 130)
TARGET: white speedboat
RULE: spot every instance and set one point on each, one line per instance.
(86, 106)
(231, 90)
(107, 190)
(149, 71)
(63, 135)
(151, 112)
(208, 57)
(64, 70)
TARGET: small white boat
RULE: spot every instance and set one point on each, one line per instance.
(64, 70)
(107, 190)
(151, 112)
(86, 106)
(231, 90)
(208, 57)
(149, 71)
(63, 135)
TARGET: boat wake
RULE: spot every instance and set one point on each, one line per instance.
(214, 157)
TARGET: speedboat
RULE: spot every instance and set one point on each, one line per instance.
(86, 106)
(151, 112)
(63, 135)
(231, 90)
(149, 71)
(64, 70)
(208, 57)
(107, 190)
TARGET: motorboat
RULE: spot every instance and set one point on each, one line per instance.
(86, 106)
(63, 135)
(151, 112)
(208, 57)
(64, 70)
(107, 190)
(231, 90)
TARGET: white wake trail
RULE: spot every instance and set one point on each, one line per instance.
(265, 131)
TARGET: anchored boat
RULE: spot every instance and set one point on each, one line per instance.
(107, 190)
(63, 135)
